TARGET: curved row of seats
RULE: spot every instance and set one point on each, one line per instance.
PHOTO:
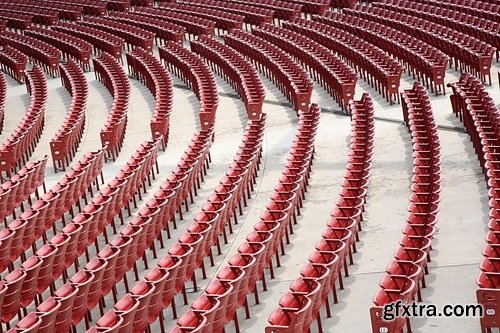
(18, 147)
(87, 7)
(64, 249)
(195, 26)
(148, 69)
(223, 20)
(158, 288)
(405, 273)
(480, 117)
(301, 304)
(481, 28)
(70, 46)
(65, 11)
(32, 224)
(19, 188)
(196, 73)
(163, 30)
(39, 15)
(13, 62)
(100, 40)
(318, 7)
(466, 52)
(293, 80)
(16, 21)
(251, 13)
(375, 66)
(39, 52)
(141, 3)
(132, 35)
(228, 291)
(490, 11)
(112, 75)
(324, 65)
(420, 58)
(236, 70)
(282, 10)
(64, 144)
(118, 5)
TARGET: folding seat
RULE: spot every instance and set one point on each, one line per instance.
(12, 297)
(29, 324)
(184, 253)
(207, 306)
(97, 267)
(123, 244)
(47, 311)
(321, 274)
(47, 254)
(197, 243)
(163, 199)
(170, 264)
(491, 250)
(89, 230)
(344, 235)
(282, 206)
(493, 238)
(31, 267)
(147, 235)
(423, 208)
(6, 237)
(13, 188)
(157, 278)
(414, 255)
(173, 198)
(134, 232)
(110, 255)
(257, 243)
(290, 314)
(155, 208)
(143, 291)
(409, 269)
(192, 321)
(222, 291)
(216, 206)
(60, 241)
(206, 230)
(402, 292)
(56, 203)
(110, 323)
(44, 214)
(236, 277)
(66, 296)
(417, 241)
(82, 281)
(106, 215)
(72, 230)
(336, 246)
(273, 227)
(331, 261)
(16, 246)
(126, 308)
(419, 230)
(312, 289)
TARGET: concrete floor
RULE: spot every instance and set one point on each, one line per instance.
(463, 211)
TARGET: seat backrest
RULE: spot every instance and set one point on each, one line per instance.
(48, 312)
